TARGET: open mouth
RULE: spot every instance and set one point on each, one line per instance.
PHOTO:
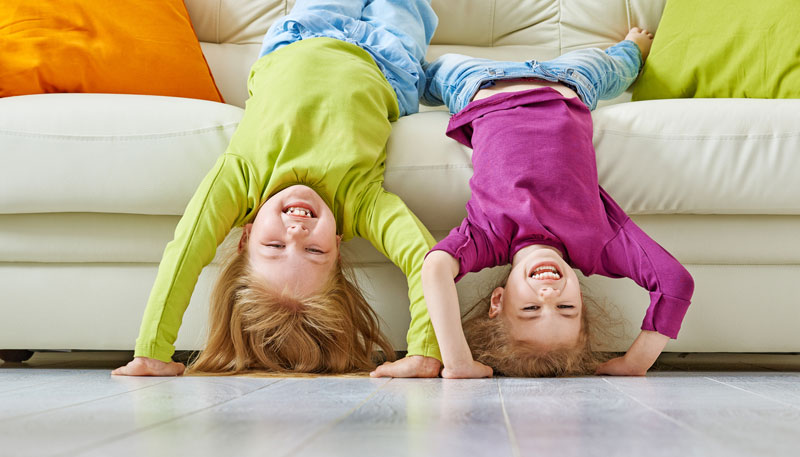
(545, 271)
(299, 210)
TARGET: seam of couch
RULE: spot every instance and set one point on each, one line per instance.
(427, 167)
(560, 31)
(146, 136)
(491, 23)
(678, 136)
(628, 12)
(216, 22)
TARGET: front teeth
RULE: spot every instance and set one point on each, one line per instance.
(546, 272)
(295, 211)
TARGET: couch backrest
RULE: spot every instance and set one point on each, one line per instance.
(231, 30)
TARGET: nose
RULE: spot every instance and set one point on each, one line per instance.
(547, 293)
(296, 230)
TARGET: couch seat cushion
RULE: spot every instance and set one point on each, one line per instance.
(108, 153)
(145, 155)
(701, 156)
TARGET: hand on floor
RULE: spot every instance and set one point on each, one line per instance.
(414, 366)
(621, 367)
(144, 366)
(474, 369)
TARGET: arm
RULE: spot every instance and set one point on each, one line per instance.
(385, 220)
(220, 202)
(438, 273)
(635, 255)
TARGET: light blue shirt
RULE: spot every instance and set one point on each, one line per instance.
(395, 32)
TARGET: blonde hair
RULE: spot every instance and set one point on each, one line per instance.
(254, 329)
(492, 344)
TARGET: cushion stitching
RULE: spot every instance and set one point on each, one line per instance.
(426, 167)
(679, 136)
(118, 137)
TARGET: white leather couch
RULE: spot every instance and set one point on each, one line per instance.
(91, 186)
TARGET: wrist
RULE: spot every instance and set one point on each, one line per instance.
(646, 348)
(458, 360)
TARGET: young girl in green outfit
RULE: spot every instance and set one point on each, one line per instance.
(303, 172)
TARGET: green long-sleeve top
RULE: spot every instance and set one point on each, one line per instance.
(319, 114)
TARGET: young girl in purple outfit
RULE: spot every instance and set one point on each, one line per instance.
(537, 205)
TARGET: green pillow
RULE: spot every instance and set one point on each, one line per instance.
(724, 49)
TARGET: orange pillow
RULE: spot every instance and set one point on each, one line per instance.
(108, 46)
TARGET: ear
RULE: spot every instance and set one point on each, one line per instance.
(245, 236)
(496, 303)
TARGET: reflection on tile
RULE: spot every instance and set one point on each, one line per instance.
(690, 407)
(429, 416)
(742, 422)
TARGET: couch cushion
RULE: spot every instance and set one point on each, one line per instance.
(145, 155)
(701, 156)
(107, 153)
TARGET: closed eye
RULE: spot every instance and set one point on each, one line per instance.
(314, 251)
(275, 245)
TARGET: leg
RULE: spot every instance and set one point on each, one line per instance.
(281, 33)
(598, 75)
(412, 21)
(400, 31)
(453, 79)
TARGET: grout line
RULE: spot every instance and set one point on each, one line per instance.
(511, 436)
(333, 423)
(121, 436)
(83, 402)
(661, 413)
(708, 438)
(754, 393)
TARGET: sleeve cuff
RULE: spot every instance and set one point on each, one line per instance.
(665, 314)
(155, 351)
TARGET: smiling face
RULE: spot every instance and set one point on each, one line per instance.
(292, 243)
(541, 302)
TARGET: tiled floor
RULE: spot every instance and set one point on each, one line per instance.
(693, 404)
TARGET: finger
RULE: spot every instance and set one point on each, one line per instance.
(178, 368)
(126, 370)
(383, 371)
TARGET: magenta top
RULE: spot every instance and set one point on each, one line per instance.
(535, 182)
